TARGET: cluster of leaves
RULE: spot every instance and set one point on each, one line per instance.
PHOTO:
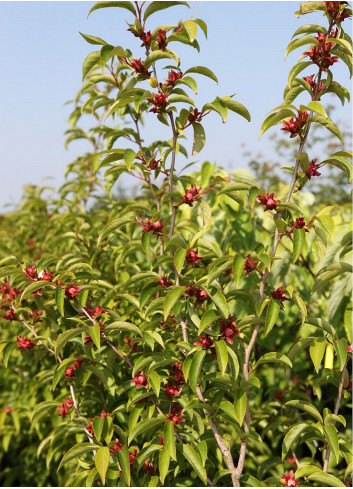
(200, 332)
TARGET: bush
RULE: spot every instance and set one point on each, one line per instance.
(198, 333)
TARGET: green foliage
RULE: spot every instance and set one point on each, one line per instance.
(143, 336)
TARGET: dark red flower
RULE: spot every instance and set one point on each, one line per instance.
(146, 39)
(139, 68)
(320, 54)
(288, 480)
(176, 372)
(172, 389)
(162, 39)
(337, 11)
(159, 102)
(10, 315)
(229, 329)
(24, 343)
(140, 380)
(312, 170)
(279, 295)
(349, 348)
(175, 414)
(63, 410)
(132, 456)
(164, 282)
(268, 201)
(31, 273)
(114, 449)
(250, 266)
(72, 290)
(104, 414)
(70, 371)
(290, 460)
(148, 468)
(172, 78)
(295, 125)
(133, 346)
(195, 116)
(44, 275)
(312, 83)
(299, 223)
(155, 227)
(205, 342)
(191, 195)
(192, 257)
(89, 428)
(200, 295)
(7, 409)
(162, 440)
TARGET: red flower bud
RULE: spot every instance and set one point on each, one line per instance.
(268, 201)
(24, 343)
(140, 380)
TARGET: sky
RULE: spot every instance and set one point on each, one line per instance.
(42, 56)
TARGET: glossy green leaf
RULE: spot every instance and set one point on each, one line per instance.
(202, 70)
(91, 61)
(163, 464)
(76, 451)
(199, 138)
(195, 368)
(101, 461)
(275, 118)
(121, 326)
(195, 461)
(144, 426)
(291, 437)
(271, 315)
(326, 479)
(317, 351)
(275, 357)
(341, 350)
(299, 42)
(238, 269)
(328, 124)
(332, 440)
(123, 459)
(298, 243)
(156, 6)
(155, 381)
(222, 355)
(240, 406)
(307, 407)
(169, 439)
(171, 299)
(126, 5)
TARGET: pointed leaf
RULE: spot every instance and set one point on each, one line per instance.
(195, 368)
(101, 461)
(222, 355)
(271, 316)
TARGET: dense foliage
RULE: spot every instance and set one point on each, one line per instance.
(198, 333)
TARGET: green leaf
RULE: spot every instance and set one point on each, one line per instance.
(328, 124)
(271, 315)
(317, 351)
(239, 108)
(240, 406)
(195, 368)
(233, 364)
(34, 287)
(195, 461)
(155, 381)
(298, 347)
(301, 306)
(95, 334)
(228, 408)
(169, 439)
(238, 269)
(310, 29)
(93, 39)
(199, 138)
(307, 407)
(144, 426)
(101, 461)
(209, 317)
(341, 350)
(220, 301)
(292, 435)
(76, 451)
(92, 60)
(113, 225)
(301, 41)
(98, 427)
(105, 4)
(327, 480)
(298, 243)
(314, 106)
(163, 464)
(341, 163)
(328, 274)
(59, 299)
(129, 156)
(156, 6)
(202, 70)
(121, 326)
(179, 259)
(42, 408)
(274, 119)
(322, 324)
(181, 98)
(332, 439)
(191, 29)
(273, 356)
(171, 299)
(65, 337)
(155, 56)
(123, 459)
(222, 355)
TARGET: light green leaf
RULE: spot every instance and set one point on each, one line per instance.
(121, 326)
(328, 124)
(191, 29)
(101, 461)
(93, 39)
(332, 439)
(298, 243)
(123, 459)
(105, 4)
(163, 464)
(273, 356)
(156, 6)
(92, 60)
(271, 315)
(341, 350)
(301, 306)
(298, 347)
(199, 138)
(326, 479)
(274, 119)
(179, 259)
(239, 108)
(307, 407)
(292, 435)
(59, 299)
(301, 41)
(155, 381)
(220, 301)
(317, 351)
(209, 317)
(155, 56)
(222, 355)
(228, 408)
(238, 269)
(240, 406)
(171, 299)
(195, 461)
(202, 70)
(169, 439)
(195, 368)
(144, 426)
(76, 451)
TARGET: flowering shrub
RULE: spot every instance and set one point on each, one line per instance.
(198, 344)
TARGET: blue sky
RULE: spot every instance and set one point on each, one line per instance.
(42, 55)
